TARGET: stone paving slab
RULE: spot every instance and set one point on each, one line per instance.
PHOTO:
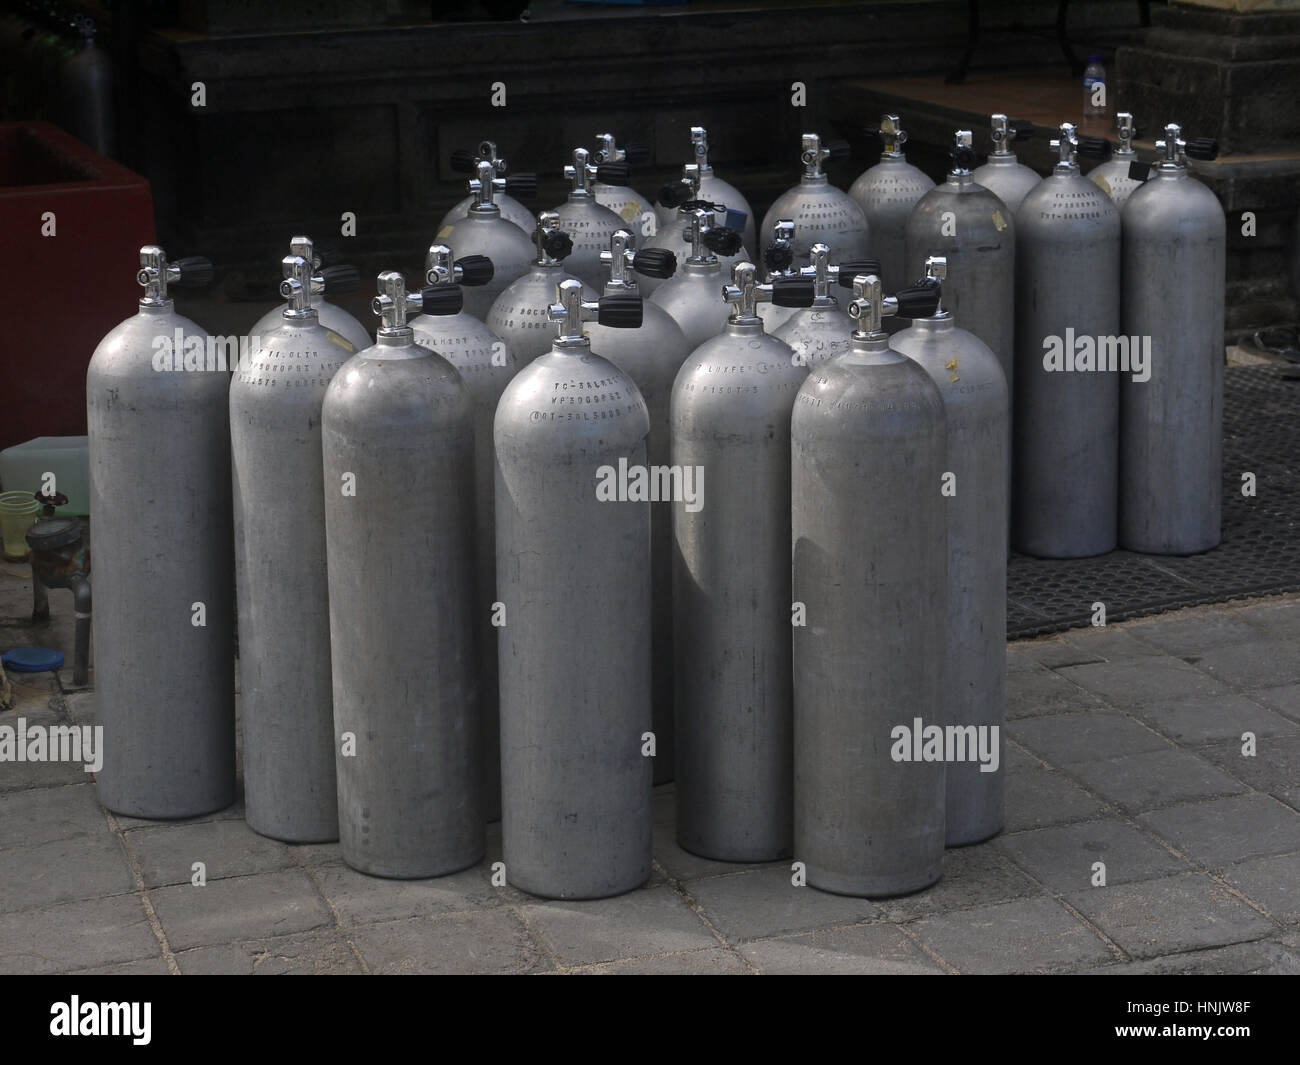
(1221, 831)
(1203, 720)
(361, 899)
(1062, 857)
(488, 941)
(1284, 699)
(714, 961)
(1273, 768)
(1186, 634)
(1187, 912)
(166, 855)
(1134, 681)
(63, 870)
(1064, 739)
(1039, 691)
(312, 953)
(972, 876)
(873, 949)
(1262, 957)
(1109, 643)
(1278, 619)
(88, 934)
(1026, 936)
(764, 903)
(1258, 664)
(39, 815)
(1137, 782)
(239, 908)
(1272, 883)
(1037, 796)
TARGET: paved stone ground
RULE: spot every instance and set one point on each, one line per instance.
(1125, 747)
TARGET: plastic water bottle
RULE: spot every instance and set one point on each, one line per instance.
(1094, 88)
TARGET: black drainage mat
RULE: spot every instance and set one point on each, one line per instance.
(1260, 552)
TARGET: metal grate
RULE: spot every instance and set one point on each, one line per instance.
(1260, 552)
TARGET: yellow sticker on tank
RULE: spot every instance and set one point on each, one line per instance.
(341, 341)
(444, 232)
(631, 212)
(1102, 183)
(999, 223)
(951, 367)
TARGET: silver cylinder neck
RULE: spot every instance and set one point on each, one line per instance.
(745, 294)
(296, 287)
(700, 145)
(579, 175)
(1173, 162)
(1000, 131)
(392, 305)
(483, 188)
(153, 275)
(893, 136)
(1065, 145)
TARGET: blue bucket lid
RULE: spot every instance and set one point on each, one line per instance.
(32, 659)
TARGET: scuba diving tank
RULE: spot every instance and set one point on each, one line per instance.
(398, 442)
(1171, 413)
(975, 234)
(677, 238)
(651, 356)
(731, 581)
(290, 792)
(625, 202)
(589, 224)
(713, 190)
(887, 193)
(163, 623)
(463, 161)
(483, 231)
(518, 316)
(977, 404)
(1065, 447)
(573, 576)
(1113, 175)
(821, 213)
(86, 91)
(693, 296)
(778, 261)
(339, 280)
(868, 445)
(485, 365)
(820, 332)
(1004, 175)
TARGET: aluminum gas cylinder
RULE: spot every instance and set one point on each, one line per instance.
(485, 365)
(714, 190)
(282, 593)
(651, 355)
(622, 199)
(1004, 175)
(163, 625)
(463, 161)
(870, 597)
(573, 575)
(975, 233)
(483, 231)
(693, 296)
(1066, 398)
(1113, 175)
(398, 441)
(1171, 406)
(821, 213)
(339, 280)
(977, 480)
(86, 91)
(887, 193)
(518, 315)
(677, 238)
(584, 219)
(731, 581)
(820, 332)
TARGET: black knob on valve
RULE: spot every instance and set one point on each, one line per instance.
(918, 301)
(723, 241)
(341, 279)
(620, 312)
(856, 268)
(655, 262)
(463, 161)
(475, 270)
(793, 291)
(1094, 147)
(1139, 171)
(441, 299)
(558, 245)
(612, 173)
(1202, 148)
(522, 186)
(838, 150)
(195, 271)
(1021, 129)
(636, 154)
(777, 257)
(674, 194)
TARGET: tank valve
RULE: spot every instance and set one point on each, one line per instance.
(581, 172)
(338, 280)
(1065, 144)
(1094, 147)
(622, 311)
(522, 186)
(813, 153)
(778, 257)
(1003, 131)
(936, 273)
(470, 270)
(961, 154)
(296, 286)
(745, 292)
(708, 240)
(622, 261)
(892, 135)
(1125, 129)
(610, 152)
(553, 244)
(156, 273)
(869, 305)
(823, 274)
(700, 145)
(394, 303)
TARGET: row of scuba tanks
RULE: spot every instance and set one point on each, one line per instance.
(536, 548)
